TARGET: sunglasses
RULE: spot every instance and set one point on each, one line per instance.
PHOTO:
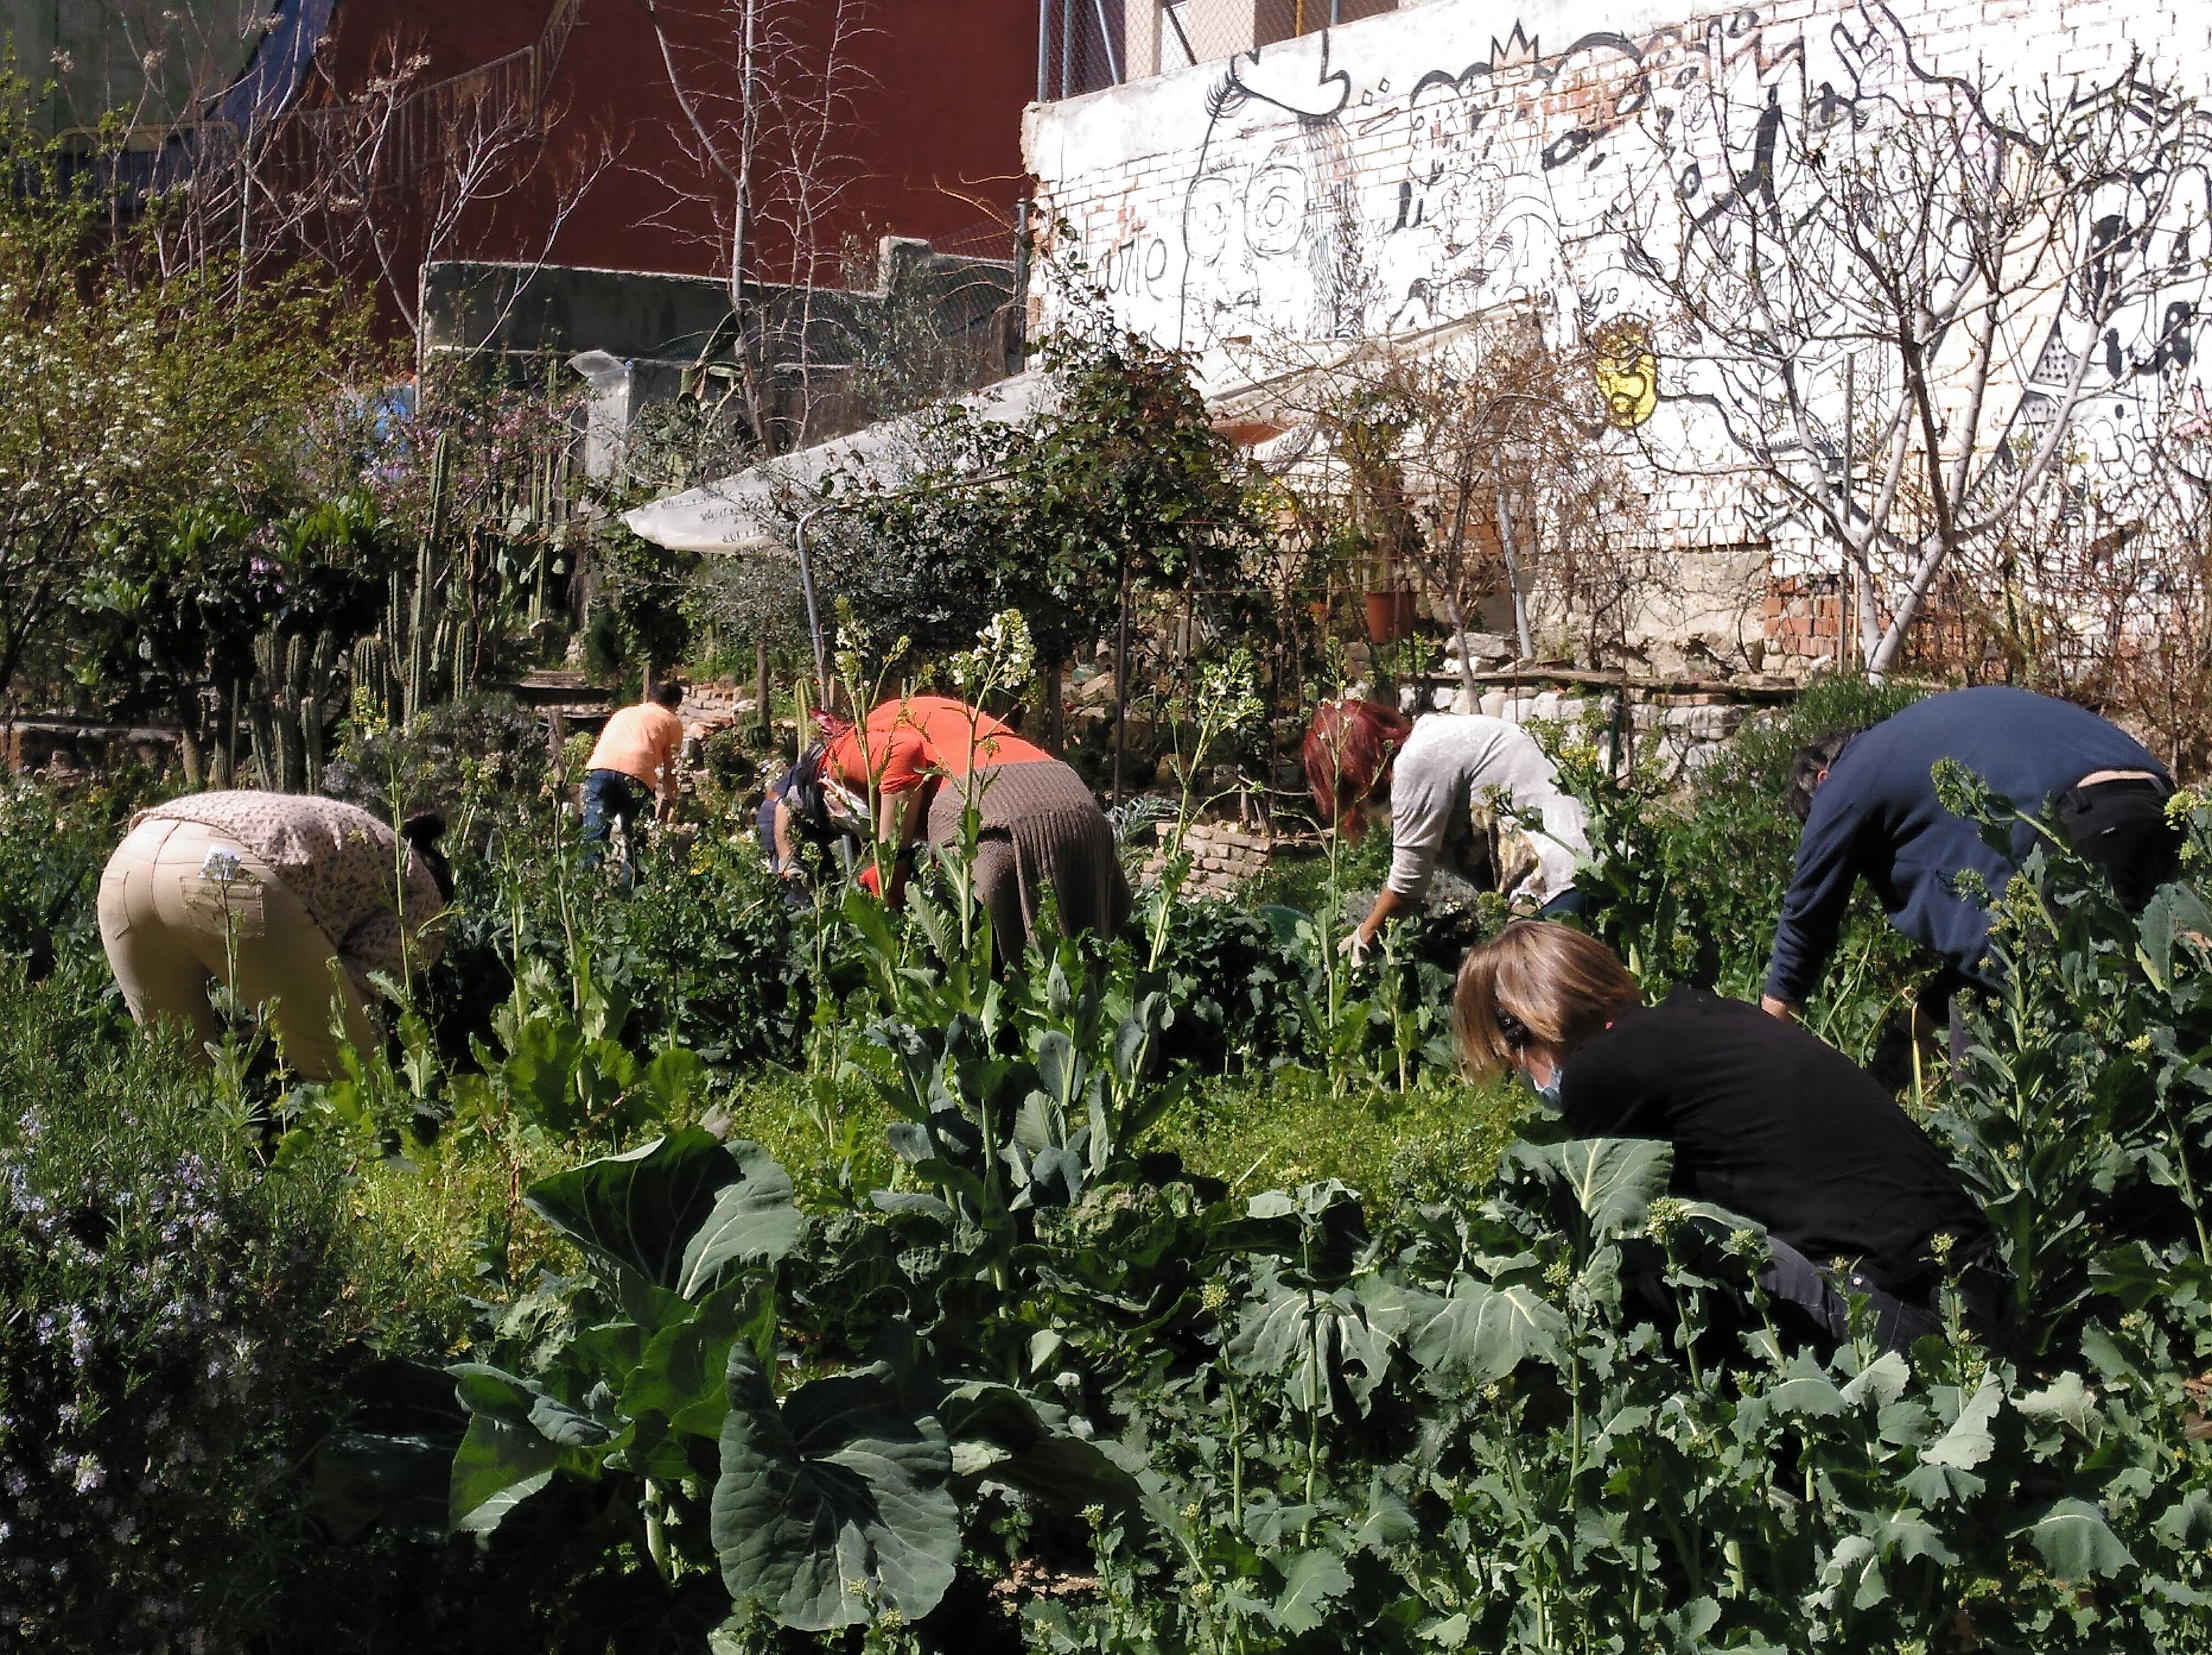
(1515, 1032)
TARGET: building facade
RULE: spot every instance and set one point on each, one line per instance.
(1454, 158)
(925, 142)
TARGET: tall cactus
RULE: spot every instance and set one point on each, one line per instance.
(419, 639)
(295, 689)
(261, 712)
(324, 702)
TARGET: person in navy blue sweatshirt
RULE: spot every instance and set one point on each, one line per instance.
(1868, 801)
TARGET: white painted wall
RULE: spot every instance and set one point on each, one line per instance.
(1433, 162)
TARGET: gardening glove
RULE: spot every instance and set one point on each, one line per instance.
(1354, 949)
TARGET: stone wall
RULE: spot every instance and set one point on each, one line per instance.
(1223, 858)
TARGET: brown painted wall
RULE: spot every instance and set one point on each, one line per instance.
(937, 111)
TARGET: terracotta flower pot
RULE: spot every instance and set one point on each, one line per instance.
(1390, 615)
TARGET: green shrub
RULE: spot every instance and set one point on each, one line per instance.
(177, 1327)
(51, 852)
(1550, 1409)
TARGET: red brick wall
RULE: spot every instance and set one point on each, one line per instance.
(938, 102)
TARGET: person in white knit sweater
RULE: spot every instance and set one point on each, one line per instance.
(1473, 795)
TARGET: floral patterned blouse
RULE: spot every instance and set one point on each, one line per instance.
(339, 861)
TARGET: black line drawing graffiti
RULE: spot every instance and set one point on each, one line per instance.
(1476, 215)
(1332, 198)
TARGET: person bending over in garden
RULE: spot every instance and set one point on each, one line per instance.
(926, 758)
(1868, 801)
(804, 805)
(1765, 1119)
(1450, 786)
(635, 754)
(280, 886)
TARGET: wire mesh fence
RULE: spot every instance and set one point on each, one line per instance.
(1085, 45)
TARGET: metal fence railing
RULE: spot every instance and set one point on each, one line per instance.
(1085, 46)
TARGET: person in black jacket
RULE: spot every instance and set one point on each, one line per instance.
(1869, 804)
(1765, 1119)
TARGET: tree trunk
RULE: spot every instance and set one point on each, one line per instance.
(1466, 656)
(189, 752)
(1055, 721)
(1908, 611)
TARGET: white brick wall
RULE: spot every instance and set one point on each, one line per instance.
(1459, 155)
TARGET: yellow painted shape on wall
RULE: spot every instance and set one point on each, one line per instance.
(1627, 367)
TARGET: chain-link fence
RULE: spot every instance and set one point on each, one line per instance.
(1084, 45)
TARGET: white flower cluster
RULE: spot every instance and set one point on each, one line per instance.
(1004, 655)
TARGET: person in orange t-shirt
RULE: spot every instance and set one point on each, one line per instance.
(635, 754)
(925, 758)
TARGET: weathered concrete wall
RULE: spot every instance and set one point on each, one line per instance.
(159, 59)
(1458, 156)
(659, 326)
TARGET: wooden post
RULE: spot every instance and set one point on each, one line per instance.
(762, 689)
(1121, 688)
(1055, 723)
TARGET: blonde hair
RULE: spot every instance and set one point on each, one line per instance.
(1562, 985)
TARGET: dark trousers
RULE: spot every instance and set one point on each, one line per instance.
(1818, 1297)
(610, 797)
(2119, 827)
(764, 825)
(1569, 904)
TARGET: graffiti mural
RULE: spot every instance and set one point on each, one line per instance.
(1419, 168)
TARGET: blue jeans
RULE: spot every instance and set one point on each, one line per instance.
(608, 797)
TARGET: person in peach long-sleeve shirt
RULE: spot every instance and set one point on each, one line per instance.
(635, 755)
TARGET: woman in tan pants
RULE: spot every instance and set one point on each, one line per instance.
(283, 888)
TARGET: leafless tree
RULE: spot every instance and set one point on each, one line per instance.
(2101, 588)
(378, 179)
(392, 176)
(1896, 304)
(766, 92)
(150, 115)
(1479, 457)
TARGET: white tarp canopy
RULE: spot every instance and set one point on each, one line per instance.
(744, 511)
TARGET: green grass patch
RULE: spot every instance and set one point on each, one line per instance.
(1264, 1131)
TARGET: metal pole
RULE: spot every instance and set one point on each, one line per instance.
(813, 610)
(1067, 49)
(1022, 210)
(1106, 40)
(1122, 682)
(1044, 50)
(1847, 617)
(1335, 12)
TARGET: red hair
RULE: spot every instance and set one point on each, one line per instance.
(1349, 745)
